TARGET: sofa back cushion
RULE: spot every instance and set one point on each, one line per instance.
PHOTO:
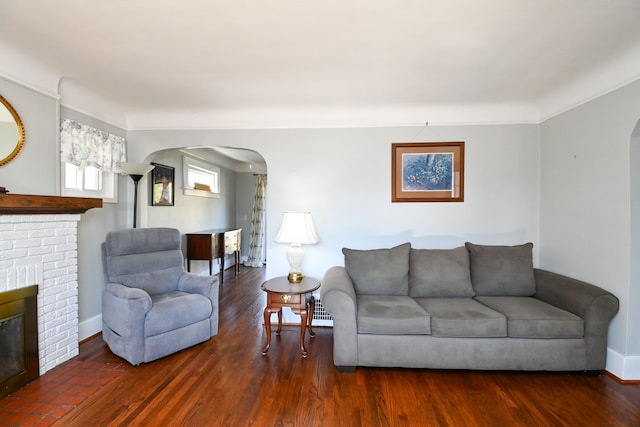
(502, 270)
(379, 271)
(443, 273)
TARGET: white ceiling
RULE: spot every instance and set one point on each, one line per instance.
(291, 63)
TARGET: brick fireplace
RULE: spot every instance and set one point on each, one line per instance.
(38, 246)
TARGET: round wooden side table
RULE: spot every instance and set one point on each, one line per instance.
(298, 297)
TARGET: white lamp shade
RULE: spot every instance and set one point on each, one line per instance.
(297, 227)
(132, 168)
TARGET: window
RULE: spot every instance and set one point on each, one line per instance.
(89, 182)
(89, 159)
(200, 178)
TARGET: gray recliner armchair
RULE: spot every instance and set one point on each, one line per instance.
(151, 307)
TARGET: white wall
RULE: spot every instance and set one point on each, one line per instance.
(633, 338)
(585, 207)
(343, 177)
(92, 229)
(35, 169)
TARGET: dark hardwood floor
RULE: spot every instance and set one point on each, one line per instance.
(227, 382)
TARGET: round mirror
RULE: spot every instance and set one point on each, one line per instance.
(11, 132)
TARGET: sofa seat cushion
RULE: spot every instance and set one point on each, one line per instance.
(528, 317)
(379, 271)
(174, 310)
(391, 315)
(463, 317)
(502, 270)
(439, 273)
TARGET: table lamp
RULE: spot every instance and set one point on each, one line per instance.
(136, 171)
(296, 229)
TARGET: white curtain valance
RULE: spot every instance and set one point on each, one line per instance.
(83, 145)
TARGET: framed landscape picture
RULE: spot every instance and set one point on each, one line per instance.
(427, 172)
(162, 185)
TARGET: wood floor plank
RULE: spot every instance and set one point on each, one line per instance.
(228, 382)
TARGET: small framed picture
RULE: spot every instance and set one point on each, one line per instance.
(162, 185)
(427, 172)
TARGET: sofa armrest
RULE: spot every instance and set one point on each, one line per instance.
(338, 297)
(124, 309)
(206, 286)
(594, 305)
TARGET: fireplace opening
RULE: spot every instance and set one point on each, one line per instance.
(18, 339)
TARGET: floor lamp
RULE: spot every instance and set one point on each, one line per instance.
(136, 171)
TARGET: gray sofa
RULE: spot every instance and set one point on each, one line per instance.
(151, 307)
(473, 307)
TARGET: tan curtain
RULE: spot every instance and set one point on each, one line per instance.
(256, 256)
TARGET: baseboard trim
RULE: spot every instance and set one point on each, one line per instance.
(626, 369)
(620, 380)
(89, 327)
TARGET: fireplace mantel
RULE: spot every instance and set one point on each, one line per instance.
(29, 204)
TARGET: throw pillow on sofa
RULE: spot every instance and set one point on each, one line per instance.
(502, 270)
(379, 271)
(440, 273)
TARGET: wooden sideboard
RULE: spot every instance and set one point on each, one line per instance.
(214, 244)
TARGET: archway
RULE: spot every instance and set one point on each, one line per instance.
(231, 208)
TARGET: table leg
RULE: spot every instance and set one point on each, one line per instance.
(222, 269)
(279, 322)
(267, 326)
(312, 309)
(303, 328)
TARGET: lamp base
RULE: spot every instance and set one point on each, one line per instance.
(295, 277)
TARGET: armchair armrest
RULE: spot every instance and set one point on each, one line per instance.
(128, 293)
(594, 305)
(338, 297)
(124, 309)
(196, 284)
(206, 286)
